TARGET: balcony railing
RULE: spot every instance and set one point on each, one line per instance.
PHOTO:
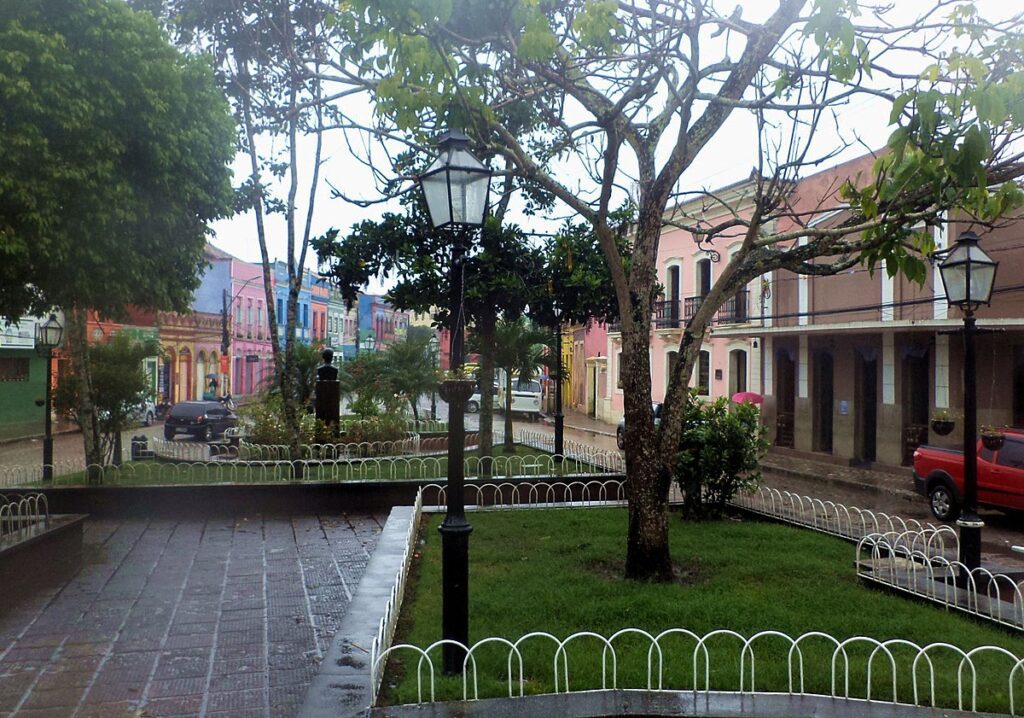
(735, 309)
(690, 306)
(666, 314)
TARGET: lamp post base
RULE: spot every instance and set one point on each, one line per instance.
(970, 540)
(455, 533)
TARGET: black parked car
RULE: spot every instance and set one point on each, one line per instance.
(201, 419)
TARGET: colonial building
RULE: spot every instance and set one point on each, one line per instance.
(728, 362)
(22, 380)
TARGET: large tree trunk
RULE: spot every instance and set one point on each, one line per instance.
(92, 439)
(485, 334)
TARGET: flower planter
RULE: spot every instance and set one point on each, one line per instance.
(456, 390)
(943, 427)
(993, 442)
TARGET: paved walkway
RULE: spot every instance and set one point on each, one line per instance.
(217, 617)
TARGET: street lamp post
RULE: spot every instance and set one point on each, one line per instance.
(559, 418)
(48, 336)
(968, 275)
(435, 361)
(370, 342)
(456, 187)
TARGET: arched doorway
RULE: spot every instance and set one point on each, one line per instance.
(737, 371)
(201, 375)
(785, 394)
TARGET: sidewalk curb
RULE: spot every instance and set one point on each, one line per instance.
(575, 427)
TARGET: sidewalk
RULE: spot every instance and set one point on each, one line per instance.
(784, 464)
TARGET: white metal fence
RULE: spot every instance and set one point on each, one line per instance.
(895, 671)
(914, 562)
(21, 513)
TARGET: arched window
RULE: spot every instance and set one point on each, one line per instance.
(737, 371)
(703, 277)
(704, 373)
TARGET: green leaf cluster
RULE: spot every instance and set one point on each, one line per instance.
(114, 159)
(719, 454)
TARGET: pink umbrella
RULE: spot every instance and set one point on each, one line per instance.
(751, 396)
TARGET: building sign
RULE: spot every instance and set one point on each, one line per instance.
(251, 358)
(21, 335)
(225, 364)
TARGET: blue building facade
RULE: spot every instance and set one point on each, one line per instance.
(303, 322)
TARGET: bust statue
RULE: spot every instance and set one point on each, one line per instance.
(327, 371)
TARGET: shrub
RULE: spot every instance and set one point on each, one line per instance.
(263, 422)
(719, 454)
(385, 427)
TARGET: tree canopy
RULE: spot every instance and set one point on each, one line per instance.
(114, 159)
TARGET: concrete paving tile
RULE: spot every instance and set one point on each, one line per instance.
(60, 698)
(238, 682)
(113, 709)
(174, 706)
(177, 687)
(236, 700)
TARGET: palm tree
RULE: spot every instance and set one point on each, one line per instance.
(519, 349)
(408, 371)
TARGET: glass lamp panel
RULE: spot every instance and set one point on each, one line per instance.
(954, 279)
(435, 190)
(476, 198)
(462, 158)
(982, 278)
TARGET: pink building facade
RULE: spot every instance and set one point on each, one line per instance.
(251, 355)
(687, 271)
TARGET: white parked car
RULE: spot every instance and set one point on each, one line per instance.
(526, 397)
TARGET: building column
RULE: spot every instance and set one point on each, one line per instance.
(942, 371)
(803, 422)
(889, 445)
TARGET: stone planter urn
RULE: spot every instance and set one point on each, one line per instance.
(456, 390)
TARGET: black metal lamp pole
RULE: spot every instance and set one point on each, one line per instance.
(969, 522)
(968, 276)
(559, 417)
(48, 336)
(456, 187)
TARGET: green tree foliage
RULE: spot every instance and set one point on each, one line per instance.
(114, 158)
(118, 388)
(719, 454)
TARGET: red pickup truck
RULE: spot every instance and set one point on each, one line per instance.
(939, 475)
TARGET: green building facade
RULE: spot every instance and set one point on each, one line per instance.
(22, 382)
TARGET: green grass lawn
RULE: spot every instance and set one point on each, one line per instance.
(559, 571)
(523, 462)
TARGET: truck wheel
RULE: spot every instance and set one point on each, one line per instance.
(620, 440)
(943, 502)
(472, 407)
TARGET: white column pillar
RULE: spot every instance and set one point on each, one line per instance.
(888, 293)
(754, 371)
(940, 308)
(941, 371)
(768, 387)
(803, 293)
(802, 368)
(888, 368)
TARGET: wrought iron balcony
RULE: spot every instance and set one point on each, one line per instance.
(666, 314)
(734, 310)
(690, 306)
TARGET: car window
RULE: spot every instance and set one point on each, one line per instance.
(986, 454)
(528, 386)
(657, 410)
(1011, 454)
(180, 410)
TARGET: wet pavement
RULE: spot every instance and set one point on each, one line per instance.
(203, 617)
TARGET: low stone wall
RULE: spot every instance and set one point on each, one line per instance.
(292, 497)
